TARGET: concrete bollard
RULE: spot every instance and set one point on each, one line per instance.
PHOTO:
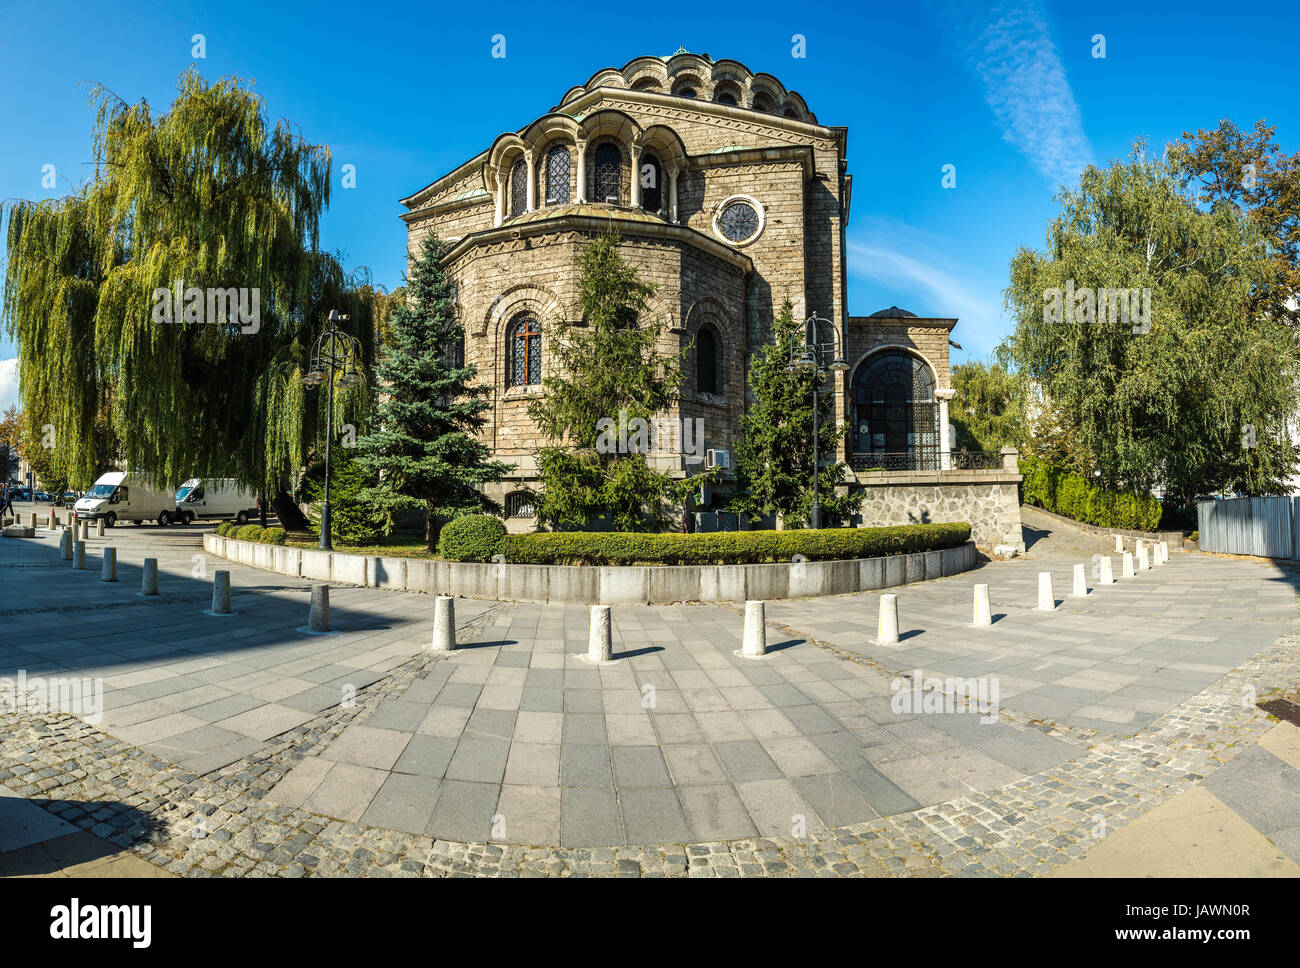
(600, 642)
(1128, 564)
(221, 593)
(887, 628)
(1144, 557)
(318, 619)
(444, 624)
(108, 570)
(1080, 582)
(1164, 552)
(1105, 577)
(33, 519)
(755, 629)
(1119, 544)
(65, 546)
(983, 614)
(79, 555)
(99, 527)
(149, 580)
(85, 530)
(54, 522)
(1046, 598)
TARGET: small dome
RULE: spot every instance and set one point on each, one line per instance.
(893, 312)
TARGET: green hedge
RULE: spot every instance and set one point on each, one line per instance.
(727, 547)
(472, 537)
(251, 532)
(1075, 497)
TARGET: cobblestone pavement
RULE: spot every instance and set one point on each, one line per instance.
(1022, 796)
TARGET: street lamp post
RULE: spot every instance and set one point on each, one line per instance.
(811, 355)
(334, 350)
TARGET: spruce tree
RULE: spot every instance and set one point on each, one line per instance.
(774, 465)
(425, 453)
(608, 369)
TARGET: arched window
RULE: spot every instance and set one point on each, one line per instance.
(763, 102)
(523, 351)
(652, 176)
(557, 176)
(609, 161)
(519, 188)
(725, 99)
(708, 379)
(519, 504)
(453, 353)
(895, 416)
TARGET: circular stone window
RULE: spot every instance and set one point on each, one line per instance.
(739, 220)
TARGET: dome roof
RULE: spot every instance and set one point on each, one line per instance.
(893, 312)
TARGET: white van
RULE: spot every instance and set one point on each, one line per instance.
(215, 497)
(119, 496)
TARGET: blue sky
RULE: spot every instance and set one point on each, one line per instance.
(1010, 94)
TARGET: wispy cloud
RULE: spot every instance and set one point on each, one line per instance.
(1024, 81)
(914, 269)
(8, 384)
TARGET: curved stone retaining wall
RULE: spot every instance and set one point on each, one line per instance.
(599, 585)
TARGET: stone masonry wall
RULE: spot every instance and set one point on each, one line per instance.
(992, 510)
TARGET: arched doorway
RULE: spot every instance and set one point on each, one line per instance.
(895, 414)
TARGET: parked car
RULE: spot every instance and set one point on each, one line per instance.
(215, 497)
(118, 496)
(42, 497)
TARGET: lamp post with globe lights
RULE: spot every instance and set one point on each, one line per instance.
(810, 353)
(333, 350)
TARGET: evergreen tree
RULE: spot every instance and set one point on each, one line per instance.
(774, 465)
(424, 453)
(355, 519)
(606, 374)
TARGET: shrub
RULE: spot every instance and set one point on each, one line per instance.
(472, 537)
(1075, 497)
(249, 532)
(225, 528)
(728, 547)
(273, 536)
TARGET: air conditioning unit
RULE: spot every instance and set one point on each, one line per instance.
(720, 459)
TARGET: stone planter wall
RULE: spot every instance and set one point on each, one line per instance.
(599, 585)
(989, 500)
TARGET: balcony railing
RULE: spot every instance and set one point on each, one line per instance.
(927, 460)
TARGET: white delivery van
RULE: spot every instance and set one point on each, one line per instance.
(215, 497)
(119, 496)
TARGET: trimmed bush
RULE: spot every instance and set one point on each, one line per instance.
(727, 547)
(1075, 497)
(273, 536)
(473, 537)
(225, 528)
(249, 532)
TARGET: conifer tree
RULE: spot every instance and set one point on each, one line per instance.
(610, 371)
(774, 465)
(424, 452)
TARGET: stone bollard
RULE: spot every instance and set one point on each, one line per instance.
(1119, 544)
(1128, 564)
(1144, 559)
(221, 593)
(79, 555)
(600, 642)
(149, 580)
(54, 522)
(755, 629)
(1046, 598)
(33, 519)
(887, 628)
(1080, 582)
(444, 624)
(99, 527)
(1105, 577)
(108, 571)
(318, 619)
(65, 546)
(983, 614)
(85, 530)
(1164, 552)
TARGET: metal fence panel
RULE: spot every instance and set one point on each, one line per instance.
(1268, 527)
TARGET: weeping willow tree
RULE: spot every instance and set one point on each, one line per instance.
(177, 294)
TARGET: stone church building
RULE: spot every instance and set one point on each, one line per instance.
(730, 197)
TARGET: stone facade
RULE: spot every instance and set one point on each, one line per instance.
(992, 508)
(741, 204)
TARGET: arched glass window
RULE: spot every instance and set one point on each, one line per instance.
(557, 176)
(707, 377)
(726, 99)
(609, 161)
(895, 416)
(519, 188)
(652, 176)
(523, 351)
(686, 92)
